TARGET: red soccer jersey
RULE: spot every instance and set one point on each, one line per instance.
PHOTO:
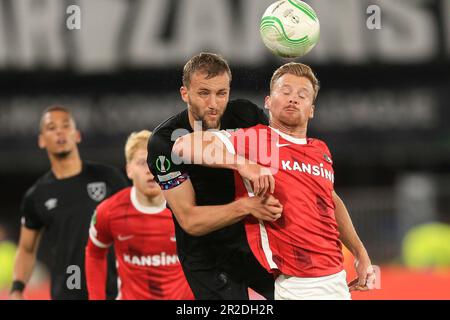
(304, 241)
(145, 248)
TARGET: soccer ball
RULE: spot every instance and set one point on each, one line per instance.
(289, 28)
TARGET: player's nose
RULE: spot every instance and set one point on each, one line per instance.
(293, 100)
(213, 102)
(60, 132)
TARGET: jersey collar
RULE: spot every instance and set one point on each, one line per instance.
(289, 138)
(145, 209)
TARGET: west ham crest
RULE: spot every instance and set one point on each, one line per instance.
(96, 191)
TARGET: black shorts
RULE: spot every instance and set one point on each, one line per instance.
(231, 280)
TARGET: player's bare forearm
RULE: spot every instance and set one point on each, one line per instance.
(26, 254)
(349, 237)
(23, 265)
(348, 234)
(201, 220)
(205, 148)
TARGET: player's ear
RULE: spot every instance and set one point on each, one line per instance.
(41, 142)
(184, 94)
(311, 114)
(129, 171)
(267, 102)
(78, 136)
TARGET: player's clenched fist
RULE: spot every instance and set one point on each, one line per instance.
(264, 208)
(260, 177)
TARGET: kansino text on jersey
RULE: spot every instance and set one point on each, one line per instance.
(155, 260)
(308, 168)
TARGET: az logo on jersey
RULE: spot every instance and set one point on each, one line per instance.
(327, 158)
(96, 191)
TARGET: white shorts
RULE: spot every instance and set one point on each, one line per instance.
(333, 287)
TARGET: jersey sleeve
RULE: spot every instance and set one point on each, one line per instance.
(244, 114)
(261, 117)
(99, 232)
(237, 142)
(30, 217)
(327, 153)
(95, 259)
(169, 171)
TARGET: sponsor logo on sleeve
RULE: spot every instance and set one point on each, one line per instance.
(169, 176)
(166, 185)
(163, 164)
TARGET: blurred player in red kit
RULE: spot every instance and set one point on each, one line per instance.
(140, 227)
(302, 247)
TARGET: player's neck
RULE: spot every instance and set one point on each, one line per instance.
(145, 201)
(66, 167)
(294, 131)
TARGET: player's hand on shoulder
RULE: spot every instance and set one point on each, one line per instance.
(264, 208)
(260, 177)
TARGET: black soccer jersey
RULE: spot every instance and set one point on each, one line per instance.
(64, 207)
(212, 186)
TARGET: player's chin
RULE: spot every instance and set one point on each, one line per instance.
(151, 186)
(61, 153)
(152, 192)
(291, 119)
(212, 122)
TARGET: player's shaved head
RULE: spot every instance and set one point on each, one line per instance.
(54, 108)
(209, 63)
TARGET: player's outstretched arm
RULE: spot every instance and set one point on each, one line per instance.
(201, 220)
(25, 258)
(351, 240)
(207, 149)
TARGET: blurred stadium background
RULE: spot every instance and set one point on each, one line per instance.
(383, 107)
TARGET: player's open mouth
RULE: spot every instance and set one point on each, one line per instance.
(61, 141)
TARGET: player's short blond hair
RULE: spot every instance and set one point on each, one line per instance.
(297, 69)
(136, 141)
